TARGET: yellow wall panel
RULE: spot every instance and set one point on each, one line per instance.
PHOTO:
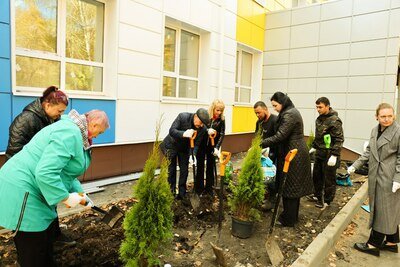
(243, 31)
(250, 24)
(243, 119)
(258, 16)
(257, 37)
(245, 9)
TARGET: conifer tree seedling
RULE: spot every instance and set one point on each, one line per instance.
(148, 224)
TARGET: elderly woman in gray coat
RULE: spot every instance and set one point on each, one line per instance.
(383, 157)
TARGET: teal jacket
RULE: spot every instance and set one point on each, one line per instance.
(47, 167)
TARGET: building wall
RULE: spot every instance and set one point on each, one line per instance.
(346, 50)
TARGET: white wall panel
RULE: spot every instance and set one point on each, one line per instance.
(141, 16)
(309, 54)
(375, 48)
(214, 74)
(214, 41)
(131, 62)
(393, 48)
(394, 28)
(178, 9)
(356, 144)
(363, 101)
(156, 4)
(333, 68)
(336, 9)
(304, 35)
(230, 25)
(229, 63)
(308, 115)
(271, 86)
(275, 71)
(370, 26)
(228, 120)
(389, 98)
(303, 100)
(231, 6)
(395, 3)
(214, 59)
(230, 46)
(277, 39)
(306, 15)
(332, 84)
(139, 88)
(369, 66)
(338, 101)
(366, 83)
(228, 79)
(303, 70)
(279, 19)
(390, 83)
(229, 95)
(276, 57)
(366, 6)
(334, 52)
(304, 85)
(356, 128)
(127, 126)
(201, 13)
(216, 18)
(392, 64)
(335, 31)
(139, 40)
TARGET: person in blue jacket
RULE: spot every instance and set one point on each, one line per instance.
(43, 174)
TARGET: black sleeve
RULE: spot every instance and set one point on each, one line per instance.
(285, 129)
(221, 135)
(174, 130)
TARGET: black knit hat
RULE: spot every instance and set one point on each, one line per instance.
(203, 115)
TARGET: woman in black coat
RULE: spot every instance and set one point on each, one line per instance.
(289, 135)
(35, 116)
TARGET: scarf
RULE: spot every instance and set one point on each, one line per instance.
(81, 122)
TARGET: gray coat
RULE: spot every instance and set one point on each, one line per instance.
(383, 157)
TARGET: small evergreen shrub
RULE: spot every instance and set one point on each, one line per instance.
(310, 140)
(249, 192)
(148, 224)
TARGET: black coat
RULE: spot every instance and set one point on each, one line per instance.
(289, 135)
(175, 140)
(219, 126)
(32, 119)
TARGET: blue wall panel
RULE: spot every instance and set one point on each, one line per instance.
(5, 119)
(19, 102)
(5, 72)
(5, 40)
(5, 11)
(108, 106)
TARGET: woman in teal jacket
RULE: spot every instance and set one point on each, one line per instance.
(43, 174)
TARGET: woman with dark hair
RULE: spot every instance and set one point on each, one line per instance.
(289, 134)
(35, 116)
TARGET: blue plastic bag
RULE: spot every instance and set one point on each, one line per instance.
(269, 169)
(343, 179)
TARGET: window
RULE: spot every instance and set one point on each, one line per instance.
(244, 63)
(59, 42)
(181, 64)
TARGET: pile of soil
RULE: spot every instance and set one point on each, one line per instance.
(98, 244)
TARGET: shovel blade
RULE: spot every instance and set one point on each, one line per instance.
(274, 252)
(113, 216)
(194, 201)
(219, 254)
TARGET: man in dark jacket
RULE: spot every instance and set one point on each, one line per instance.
(327, 145)
(176, 146)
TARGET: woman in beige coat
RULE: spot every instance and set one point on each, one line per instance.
(383, 157)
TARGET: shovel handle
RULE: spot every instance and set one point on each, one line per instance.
(223, 160)
(192, 139)
(212, 137)
(289, 156)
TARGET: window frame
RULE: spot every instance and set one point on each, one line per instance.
(238, 76)
(60, 56)
(178, 30)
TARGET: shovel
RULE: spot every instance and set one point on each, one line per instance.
(212, 137)
(223, 160)
(194, 198)
(274, 253)
(110, 217)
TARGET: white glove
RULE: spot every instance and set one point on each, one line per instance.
(193, 160)
(211, 131)
(395, 187)
(89, 202)
(265, 152)
(217, 152)
(74, 199)
(332, 161)
(351, 169)
(312, 150)
(188, 133)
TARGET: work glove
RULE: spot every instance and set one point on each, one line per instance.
(74, 199)
(193, 160)
(188, 133)
(395, 187)
(211, 131)
(351, 169)
(89, 202)
(217, 152)
(265, 152)
(312, 150)
(332, 161)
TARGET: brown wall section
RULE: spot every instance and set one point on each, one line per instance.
(114, 160)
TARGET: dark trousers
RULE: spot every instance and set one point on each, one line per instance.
(376, 238)
(290, 213)
(203, 154)
(182, 158)
(35, 249)
(324, 174)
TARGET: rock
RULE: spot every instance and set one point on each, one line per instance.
(197, 263)
(339, 255)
